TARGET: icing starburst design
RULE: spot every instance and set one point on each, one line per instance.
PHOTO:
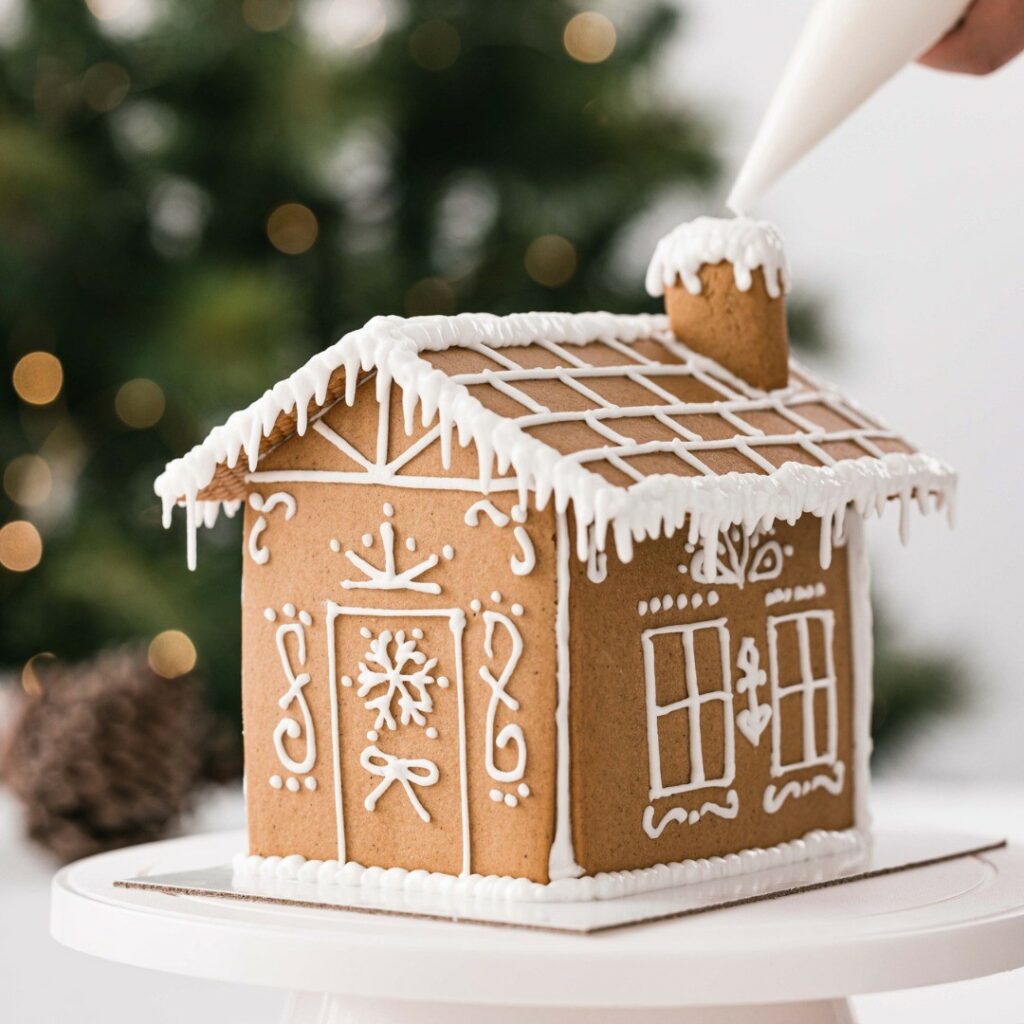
(396, 676)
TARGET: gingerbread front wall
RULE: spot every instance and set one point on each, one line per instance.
(433, 633)
(687, 735)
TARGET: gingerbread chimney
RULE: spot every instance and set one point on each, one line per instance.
(724, 282)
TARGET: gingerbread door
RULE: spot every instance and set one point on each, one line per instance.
(398, 734)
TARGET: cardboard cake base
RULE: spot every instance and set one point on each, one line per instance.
(889, 852)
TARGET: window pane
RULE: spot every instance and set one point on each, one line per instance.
(816, 638)
(788, 648)
(669, 669)
(707, 653)
(821, 721)
(791, 721)
(674, 741)
(712, 731)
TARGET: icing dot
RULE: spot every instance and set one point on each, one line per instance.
(365, 633)
(495, 795)
(389, 509)
(517, 609)
(690, 549)
(448, 552)
(680, 600)
(655, 604)
(372, 736)
(305, 618)
(310, 783)
(694, 817)
(431, 733)
(641, 608)
(335, 545)
(519, 513)
(713, 598)
(474, 605)
(442, 681)
(269, 614)
(510, 800)
(346, 680)
(292, 784)
(496, 596)
(367, 540)
(788, 550)
(275, 781)
(418, 633)
(289, 609)
(410, 543)
(682, 568)
(696, 601)
(524, 790)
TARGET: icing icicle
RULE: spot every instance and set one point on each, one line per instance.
(746, 244)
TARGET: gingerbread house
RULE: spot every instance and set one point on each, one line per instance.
(554, 603)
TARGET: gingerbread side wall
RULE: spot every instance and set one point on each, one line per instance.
(423, 618)
(708, 717)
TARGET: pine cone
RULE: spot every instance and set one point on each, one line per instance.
(107, 755)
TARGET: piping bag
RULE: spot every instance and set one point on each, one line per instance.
(848, 49)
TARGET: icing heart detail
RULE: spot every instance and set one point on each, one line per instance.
(753, 721)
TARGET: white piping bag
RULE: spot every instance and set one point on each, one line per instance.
(847, 50)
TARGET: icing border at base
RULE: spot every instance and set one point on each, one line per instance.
(604, 886)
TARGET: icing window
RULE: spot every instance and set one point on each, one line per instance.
(803, 681)
(689, 707)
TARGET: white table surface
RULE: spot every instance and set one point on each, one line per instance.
(95, 990)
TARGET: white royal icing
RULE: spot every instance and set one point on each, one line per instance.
(497, 888)
(746, 244)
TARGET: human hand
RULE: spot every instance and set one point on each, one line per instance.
(989, 35)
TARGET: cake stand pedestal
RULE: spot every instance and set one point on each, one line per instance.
(795, 959)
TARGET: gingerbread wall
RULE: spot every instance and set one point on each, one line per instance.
(655, 608)
(344, 580)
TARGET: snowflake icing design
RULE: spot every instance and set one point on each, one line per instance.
(395, 668)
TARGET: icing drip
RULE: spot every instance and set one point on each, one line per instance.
(604, 886)
(746, 244)
(651, 507)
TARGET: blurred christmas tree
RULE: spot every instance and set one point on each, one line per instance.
(195, 195)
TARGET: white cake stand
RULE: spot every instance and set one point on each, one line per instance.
(793, 960)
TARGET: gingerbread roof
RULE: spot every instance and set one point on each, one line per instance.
(608, 414)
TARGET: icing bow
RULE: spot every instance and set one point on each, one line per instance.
(408, 771)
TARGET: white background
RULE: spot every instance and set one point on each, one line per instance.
(909, 221)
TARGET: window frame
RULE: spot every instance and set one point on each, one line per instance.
(691, 703)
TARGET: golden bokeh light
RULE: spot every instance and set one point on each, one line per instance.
(550, 260)
(589, 37)
(28, 480)
(104, 86)
(266, 15)
(172, 654)
(38, 378)
(21, 547)
(30, 681)
(432, 295)
(435, 45)
(139, 403)
(292, 228)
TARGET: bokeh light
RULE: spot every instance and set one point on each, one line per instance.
(266, 15)
(353, 24)
(292, 228)
(21, 547)
(550, 260)
(38, 378)
(140, 403)
(104, 86)
(28, 480)
(30, 681)
(172, 654)
(107, 10)
(589, 37)
(432, 295)
(434, 45)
